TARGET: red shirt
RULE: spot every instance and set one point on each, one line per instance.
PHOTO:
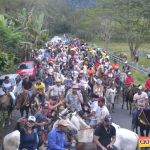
(97, 63)
(129, 80)
(147, 84)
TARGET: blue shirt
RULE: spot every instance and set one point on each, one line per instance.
(28, 141)
(46, 54)
(56, 140)
(49, 81)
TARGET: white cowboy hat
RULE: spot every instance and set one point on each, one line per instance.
(63, 122)
(99, 81)
(58, 80)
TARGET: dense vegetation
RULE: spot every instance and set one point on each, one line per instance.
(26, 25)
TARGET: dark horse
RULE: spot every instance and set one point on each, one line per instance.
(144, 121)
(23, 103)
(6, 106)
(128, 93)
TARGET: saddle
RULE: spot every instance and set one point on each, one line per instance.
(144, 116)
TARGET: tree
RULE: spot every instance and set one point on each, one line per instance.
(9, 39)
(134, 18)
(104, 27)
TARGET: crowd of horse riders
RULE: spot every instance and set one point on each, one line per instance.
(81, 79)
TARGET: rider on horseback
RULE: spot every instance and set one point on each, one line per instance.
(8, 87)
(105, 135)
(39, 87)
(75, 99)
(140, 100)
(27, 85)
(129, 79)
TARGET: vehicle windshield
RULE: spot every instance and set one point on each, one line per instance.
(26, 66)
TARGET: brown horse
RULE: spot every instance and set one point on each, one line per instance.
(128, 93)
(35, 105)
(6, 106)
(23, 103)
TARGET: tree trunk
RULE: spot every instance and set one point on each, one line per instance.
(106, 44)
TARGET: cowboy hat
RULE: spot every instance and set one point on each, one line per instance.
(63, 122)
(58, 80)
(75, 86)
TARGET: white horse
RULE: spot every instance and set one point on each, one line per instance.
(12, 141)
(125, 139)
(77, 124)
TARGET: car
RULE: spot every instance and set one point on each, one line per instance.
(15, 80)
(148, 56)
(27, 69)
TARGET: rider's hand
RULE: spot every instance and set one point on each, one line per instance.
(22, 121)
(44, 123)
(109, 146)
(103, 148)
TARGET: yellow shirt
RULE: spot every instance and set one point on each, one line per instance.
(40, 88)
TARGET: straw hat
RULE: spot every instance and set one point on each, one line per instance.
(75, 87)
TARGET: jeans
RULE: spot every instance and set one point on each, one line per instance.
(13, 98)
(30, 94)
(91, 122)
(135, 114)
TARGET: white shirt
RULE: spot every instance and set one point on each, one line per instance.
(94, 108)
(101, 113)
(141, 99)
(57, 90)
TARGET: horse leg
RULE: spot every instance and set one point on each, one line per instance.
(122, 102)
(4, 120)
(27, 112)
(142, 131)
(113, 107)
(9, 117)
(127, 103)
(147, 131)
(130, 107)
(21, 112)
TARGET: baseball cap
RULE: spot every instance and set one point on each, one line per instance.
(31, 118)
(45, 106)
(140, 87)
(108, 119)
